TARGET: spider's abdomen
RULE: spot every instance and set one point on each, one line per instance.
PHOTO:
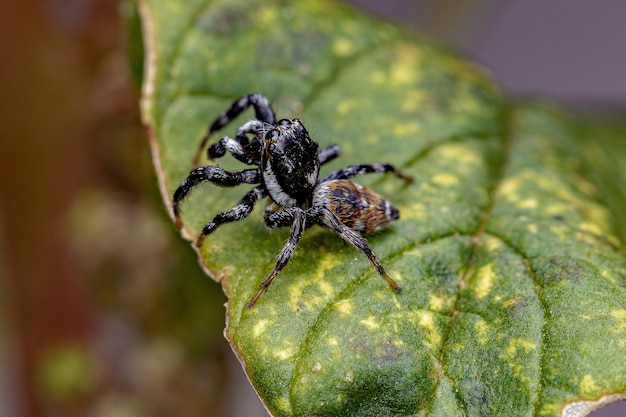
(356, 206)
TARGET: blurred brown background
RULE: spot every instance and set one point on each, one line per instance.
(103, 311)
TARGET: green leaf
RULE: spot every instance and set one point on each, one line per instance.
(508, 248)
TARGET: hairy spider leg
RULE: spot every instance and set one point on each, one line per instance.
(240, 147)
(354, 170)
(251, 126)
(285, 217)
(262, 109)
(238, 212)
(297, 228)
(329, 153)
(326, 218)
(215, 175)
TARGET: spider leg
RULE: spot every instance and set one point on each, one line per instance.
(252, 126)
(330, 221)
(297, 228)
(329, 153)
(240, 147)
(238, 212)
(262, 109)
(249, 154)
(214, 175)
(354, 170)
(285, 217)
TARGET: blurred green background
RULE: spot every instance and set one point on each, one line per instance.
(103, 309)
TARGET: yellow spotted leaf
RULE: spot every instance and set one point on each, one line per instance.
(510, 242)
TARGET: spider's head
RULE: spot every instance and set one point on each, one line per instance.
(290, 163)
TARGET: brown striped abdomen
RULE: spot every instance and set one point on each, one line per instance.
(356, 206)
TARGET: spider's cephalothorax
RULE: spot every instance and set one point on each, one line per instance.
(287, 164)
(290, 164)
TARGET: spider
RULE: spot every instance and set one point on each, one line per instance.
(287, 168)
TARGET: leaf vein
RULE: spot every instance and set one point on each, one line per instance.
(496, 176)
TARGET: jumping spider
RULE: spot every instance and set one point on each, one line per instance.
(287, 172)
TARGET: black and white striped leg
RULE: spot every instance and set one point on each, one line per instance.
(238, 212)
(297, 228)
(219, 148)
(262, 109)
(213, 175)
(240, 147)
(329, 153)
(285, 217)
(330, 221)
(354, 170)
(250, 127)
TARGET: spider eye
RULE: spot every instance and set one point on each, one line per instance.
(284, 122)
(272, 134)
